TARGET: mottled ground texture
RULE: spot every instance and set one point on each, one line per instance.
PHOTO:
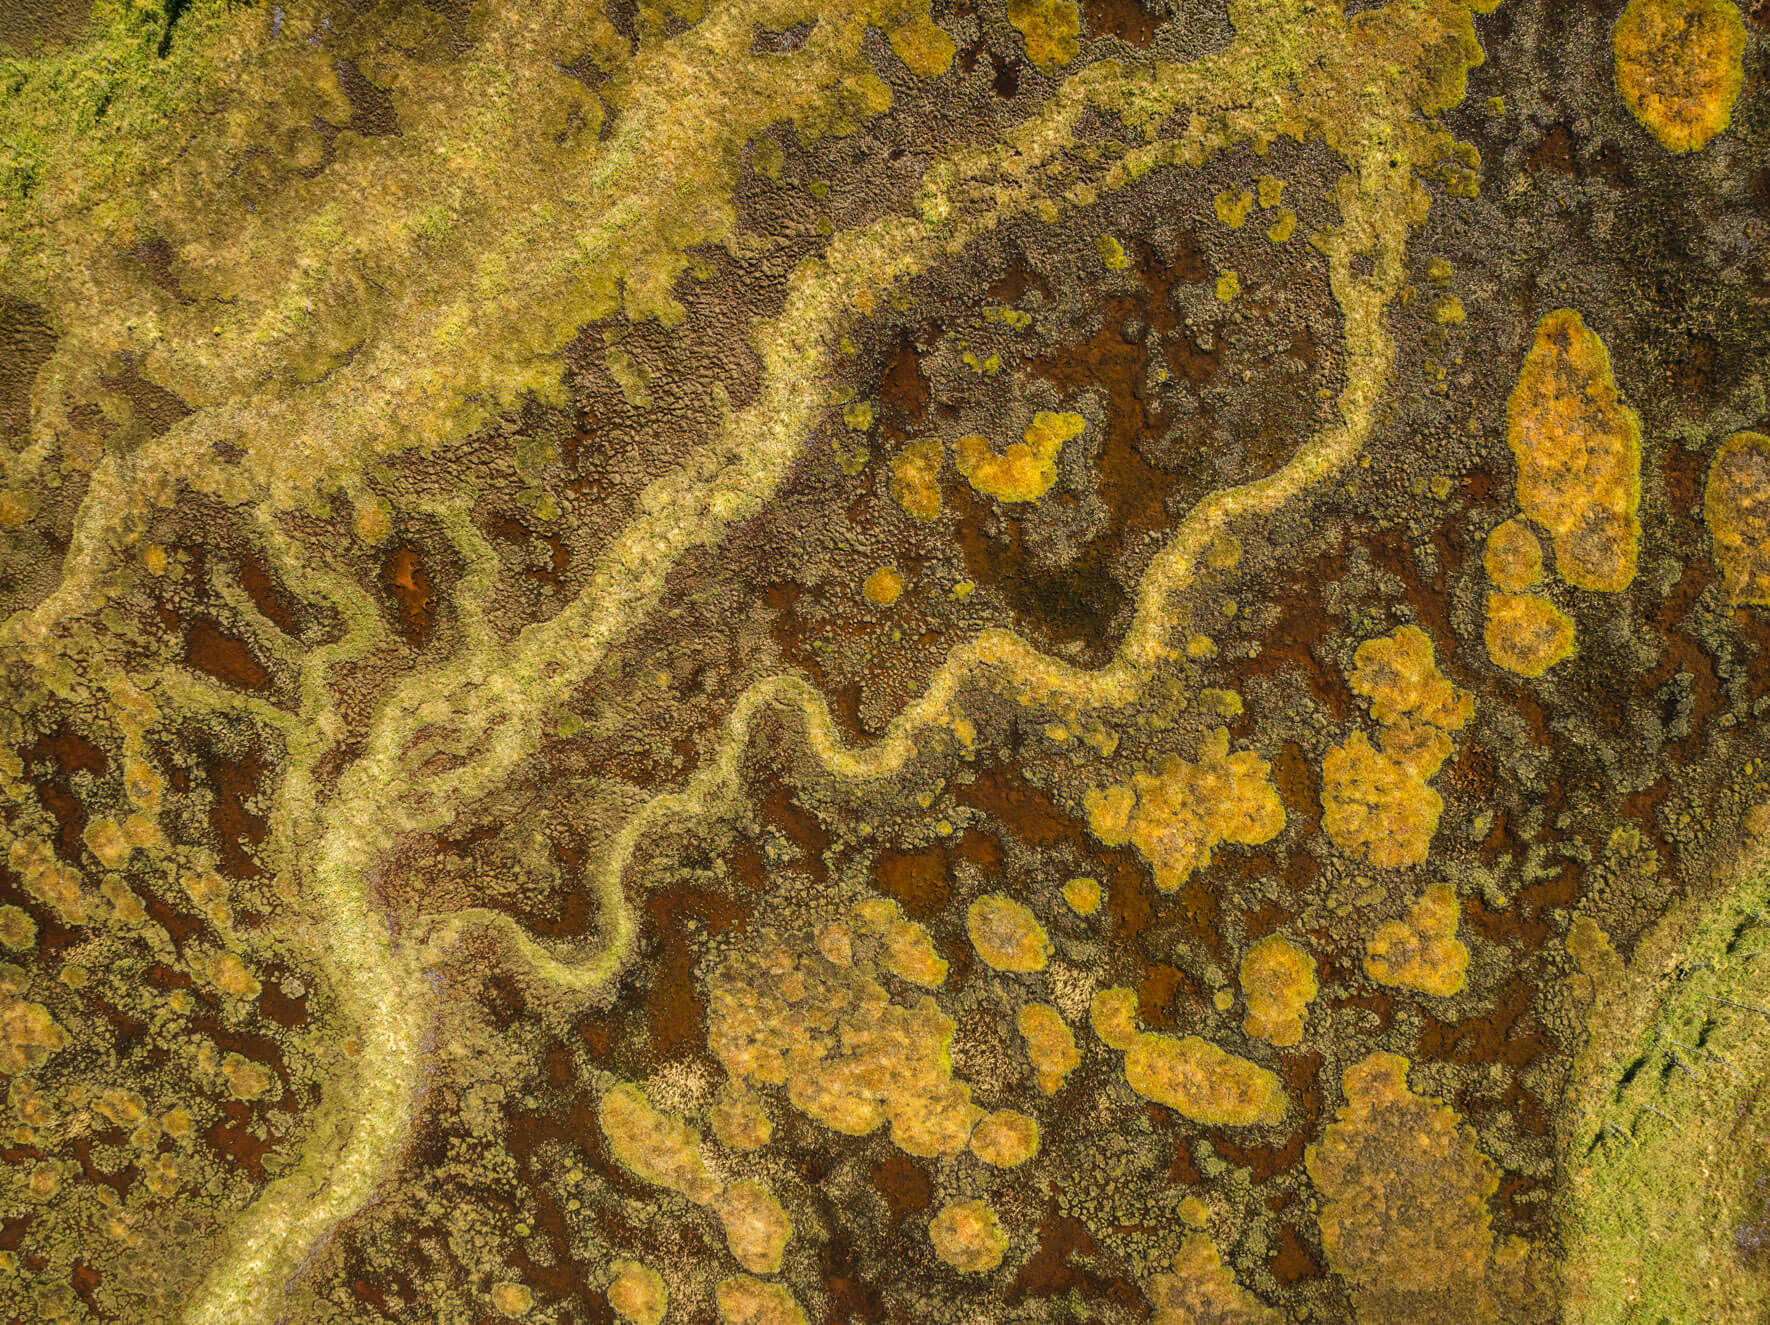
(754, 661)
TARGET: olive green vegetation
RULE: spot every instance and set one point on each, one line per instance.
(1666, 1133)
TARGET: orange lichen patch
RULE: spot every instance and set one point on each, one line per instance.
(512, 1299)
(655, 1146)
(161, 1175)
(246, 1079)
(1027, 469)
(1082, 896)
(124, 903)
(1050, 1046)
(915, 478)
(17, 930)
(229, 974)
(1050, 28)
(1177, 816)
(1113, 1015)
(739, 1120)
(1404, 1216)
(1202, 1289)
(1526, 633)
(1736, 508)
(968, 1236)
(1006, 934)
(48, 880)
(1278, 980)
(106, 841)
(1423, 951)
(1207, 1084)
(756, 1228)
(123, 1108)
(1513, 559)
(744, 1300)
(209, 892)
(835, 943)
(28, 1035)
(939, 1123)
(1377, 806)
(910, 955)
(637, 1293)
(1005, 1138)
(884, 586)
(1398, 674)
(373, 520)
(849, 1057)
(1679, 67)
(1578, 449)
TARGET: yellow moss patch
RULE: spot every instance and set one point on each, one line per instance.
(968, 1236)
(1423, 951)
(1228, 286)
(657, 1147)
(1113, 1015)
(884, 586)
(1526, 633)
(924, 47)
(1679, 67)
(1177, 816)
(637, 1293)
(1736, 508)
(739, 1120)
(246, 1079)
(1578, 450)
(1006, 934)
(1082, 895)
(744, 1300)
(757, 1230)
(849, 1057)
(1050, 1046)
(1283, 227)
(1404, 1215)
(512, 1299)
(1233, 206)
(1112, 253)
(1202, 1288)
(1027, 469)
(1050, 28)
(1513, 559)
(153, 556)
(1278, 981)
(1005, 1138)
(1271, 190)
(915, 478)
(1207, 1084)
(1447, 310)
(28, 1035)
